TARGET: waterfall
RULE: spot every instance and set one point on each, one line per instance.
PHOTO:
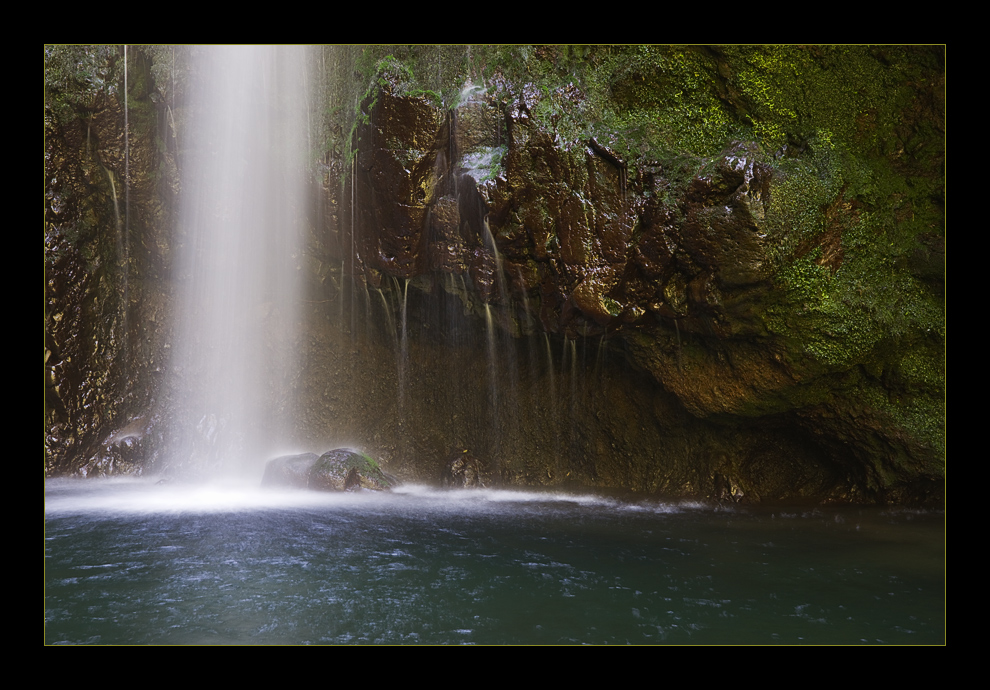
(241, 218)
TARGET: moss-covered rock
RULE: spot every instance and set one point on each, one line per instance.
(345, 470)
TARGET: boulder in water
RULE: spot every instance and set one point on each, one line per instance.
(289, 470)
(345, 470)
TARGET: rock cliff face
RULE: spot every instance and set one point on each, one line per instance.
(707, 272)
(110, 185)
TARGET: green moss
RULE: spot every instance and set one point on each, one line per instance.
(437, 72)
(613, 307)
(923, 371)
(860, 303)
(434, 98)
(76, 74)
(867, 309)
(370, 467)
(807, 314)
(390, 72)
(649, 102)
(913, 421)
(793, 91)
(657, 101)
(664, 99)
(802, 188)
(839, 318)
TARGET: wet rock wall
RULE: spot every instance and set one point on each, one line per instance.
(693, 271)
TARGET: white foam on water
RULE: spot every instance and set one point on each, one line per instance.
(146, 496)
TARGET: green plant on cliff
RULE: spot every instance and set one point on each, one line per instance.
(386, 71)
(76, 74)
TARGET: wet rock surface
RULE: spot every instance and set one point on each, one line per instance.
(344, 470)
(110, 183)
(335, 470)
(562, 230)
(677, 263)
(464, 471)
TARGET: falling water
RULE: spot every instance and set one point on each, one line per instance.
(241, 217)
(494, 382)
(116, 206)
(573, 378)
(404, 352)
(554, 404)
(353, 252)
(389, 322)
(124, 249)
(601, 354)
(120, 254)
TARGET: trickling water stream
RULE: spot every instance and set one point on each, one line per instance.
(124, 250)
